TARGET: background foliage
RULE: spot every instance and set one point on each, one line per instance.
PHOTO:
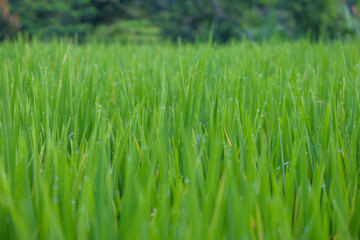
(189, 19)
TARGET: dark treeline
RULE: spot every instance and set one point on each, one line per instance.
(188, 19)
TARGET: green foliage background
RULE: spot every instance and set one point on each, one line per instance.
(189, 19)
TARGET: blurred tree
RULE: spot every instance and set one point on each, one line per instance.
(255, 19)
(188, 19)
(9, 23)
(227, 19)
(316, 17)
(47, 18)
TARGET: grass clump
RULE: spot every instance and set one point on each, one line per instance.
(237, 141)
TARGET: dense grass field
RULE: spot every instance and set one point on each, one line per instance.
(241, 141)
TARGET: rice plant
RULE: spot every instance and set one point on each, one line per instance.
(163, 141)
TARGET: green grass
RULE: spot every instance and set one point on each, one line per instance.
(242, 141)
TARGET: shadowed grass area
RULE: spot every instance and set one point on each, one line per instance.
(237, 141)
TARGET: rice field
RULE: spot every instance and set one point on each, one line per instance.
(176, 141)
